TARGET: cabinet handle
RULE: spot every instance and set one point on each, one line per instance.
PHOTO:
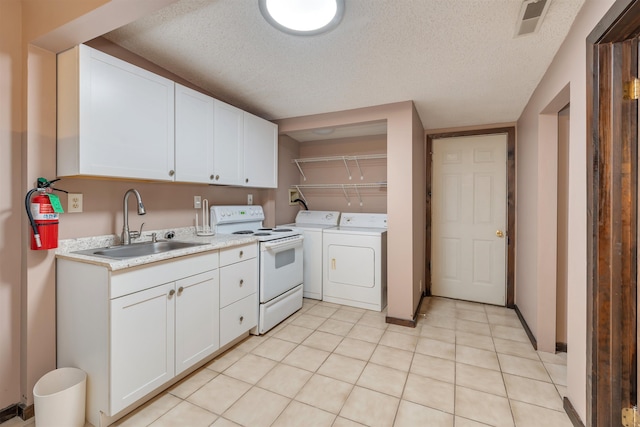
(241, 319)
(211, 177)
(246, 180)
(172, 172)
(241, 254)
(241, 282)
(217, 177)
(172, 292)
(180, 289)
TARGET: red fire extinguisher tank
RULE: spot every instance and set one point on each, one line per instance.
(46, 220)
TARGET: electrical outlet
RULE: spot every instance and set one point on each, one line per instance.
(197, 202)
(293, 194)
(249, 199)
(74, 202)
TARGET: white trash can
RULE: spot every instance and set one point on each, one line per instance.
(59, 398)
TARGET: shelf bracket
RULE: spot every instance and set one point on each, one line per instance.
(360, 170)
(346, 196)
(358, 193)
(344, 159)
(304, 178)
(300, 193)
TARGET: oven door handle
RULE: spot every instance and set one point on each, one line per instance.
(279, 246)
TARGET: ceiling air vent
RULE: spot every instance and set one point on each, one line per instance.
(531, 15)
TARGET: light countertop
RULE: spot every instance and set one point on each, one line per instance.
(66, 248)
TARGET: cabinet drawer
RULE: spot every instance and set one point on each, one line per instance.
(238, 253)
(238, 318)
(238, 281)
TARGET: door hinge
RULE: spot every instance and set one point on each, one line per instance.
(630, 417)
(632, 89)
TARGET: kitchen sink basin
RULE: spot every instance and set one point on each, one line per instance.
(138, 249)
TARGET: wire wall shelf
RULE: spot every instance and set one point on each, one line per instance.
(345, 159)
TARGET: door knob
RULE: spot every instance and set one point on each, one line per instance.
(500, 234)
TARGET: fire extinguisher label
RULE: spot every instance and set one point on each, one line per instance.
(41, 211)
(55, 203)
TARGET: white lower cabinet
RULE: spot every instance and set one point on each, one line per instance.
(197, 324)
(134, 330)
(142, 344)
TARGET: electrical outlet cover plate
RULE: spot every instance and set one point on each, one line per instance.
(74, 202)
(249, 199)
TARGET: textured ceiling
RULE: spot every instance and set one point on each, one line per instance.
(457, 60)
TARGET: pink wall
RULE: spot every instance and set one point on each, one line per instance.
(288, 174)
(335, 172)
(568, 70)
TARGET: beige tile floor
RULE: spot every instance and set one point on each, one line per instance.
(464, 365)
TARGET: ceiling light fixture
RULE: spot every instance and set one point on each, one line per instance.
(303, 17)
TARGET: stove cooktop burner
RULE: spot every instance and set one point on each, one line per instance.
(243, 232)
(262, 234)
(281, 230)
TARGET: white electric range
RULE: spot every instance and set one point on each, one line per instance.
(280, 258)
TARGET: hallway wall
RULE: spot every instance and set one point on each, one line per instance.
(568, 69)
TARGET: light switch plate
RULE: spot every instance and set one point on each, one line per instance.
(74, 202)
(249, 199)
(197, 202)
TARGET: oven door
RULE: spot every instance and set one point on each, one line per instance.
(280, 266)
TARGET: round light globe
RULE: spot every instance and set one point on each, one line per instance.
(303, 17)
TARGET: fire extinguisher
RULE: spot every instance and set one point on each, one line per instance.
(43, 211)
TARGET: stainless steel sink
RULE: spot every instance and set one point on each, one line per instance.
(138, 249)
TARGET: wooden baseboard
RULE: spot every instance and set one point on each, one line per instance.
(532, 338)
(8, 413)
(25, 412)
(571, 412)
(411, 323)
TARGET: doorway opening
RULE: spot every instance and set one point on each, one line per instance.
(510, 203)
(563, 229)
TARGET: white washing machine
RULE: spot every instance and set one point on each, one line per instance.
(355, 261)
(311, 224)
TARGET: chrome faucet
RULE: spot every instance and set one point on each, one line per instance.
(126, 234)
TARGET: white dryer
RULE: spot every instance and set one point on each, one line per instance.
(355, 261)
(311, 224)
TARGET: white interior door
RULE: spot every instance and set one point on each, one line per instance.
(469, 211)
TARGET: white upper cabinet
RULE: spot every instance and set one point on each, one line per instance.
(118, 120)
(228, 144)
(194, 136)
(260, 152)
(114, 119)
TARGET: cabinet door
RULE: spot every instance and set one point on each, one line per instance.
(194, 136)
(227, 144)
(197, 318)
(126, 119)
(260, 152)
(142, 344)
